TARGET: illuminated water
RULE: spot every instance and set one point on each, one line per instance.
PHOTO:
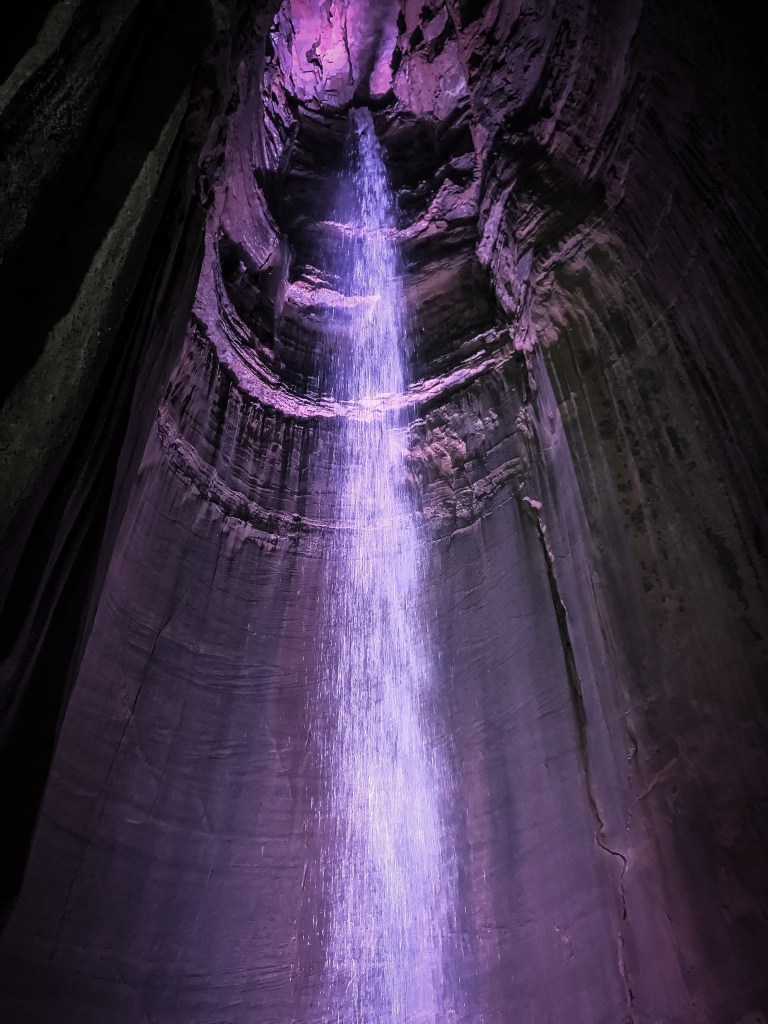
(389, 883)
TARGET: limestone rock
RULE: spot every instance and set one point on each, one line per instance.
(581, 203)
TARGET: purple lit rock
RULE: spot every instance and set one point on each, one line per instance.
(580, 198)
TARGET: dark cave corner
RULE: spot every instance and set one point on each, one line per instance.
(581, 223)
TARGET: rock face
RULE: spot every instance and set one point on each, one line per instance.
(582, 204)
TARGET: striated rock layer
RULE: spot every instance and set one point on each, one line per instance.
(582, 208)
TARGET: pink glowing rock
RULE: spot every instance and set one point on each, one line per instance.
(340, 48)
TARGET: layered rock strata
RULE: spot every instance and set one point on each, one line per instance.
(580, 228)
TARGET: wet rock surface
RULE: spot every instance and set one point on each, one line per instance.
(581, 209)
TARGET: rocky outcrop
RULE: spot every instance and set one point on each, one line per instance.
(578, 223)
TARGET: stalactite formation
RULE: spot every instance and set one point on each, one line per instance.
(579, 225)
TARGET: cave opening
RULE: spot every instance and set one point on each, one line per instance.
(382, 615)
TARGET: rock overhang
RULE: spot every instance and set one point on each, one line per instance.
(270, 301)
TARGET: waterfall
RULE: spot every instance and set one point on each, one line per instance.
(389, 876)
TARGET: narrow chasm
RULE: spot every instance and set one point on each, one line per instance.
(382, 452)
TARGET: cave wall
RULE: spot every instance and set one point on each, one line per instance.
(581, 212)
(619, 166)
(648, 312)
(105, 115)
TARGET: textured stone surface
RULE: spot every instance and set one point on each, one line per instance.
(582, 209)
(97, 191)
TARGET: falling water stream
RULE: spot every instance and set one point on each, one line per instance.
(388, 874)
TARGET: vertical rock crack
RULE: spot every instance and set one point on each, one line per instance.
(532, 510)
